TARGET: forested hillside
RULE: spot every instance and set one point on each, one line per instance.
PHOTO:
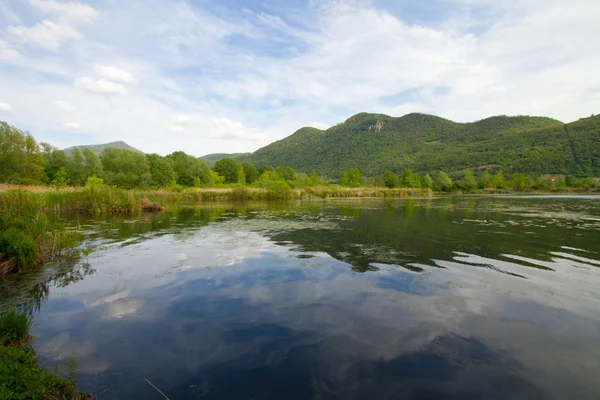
(98, 148)
(210, 159)
(424, 143)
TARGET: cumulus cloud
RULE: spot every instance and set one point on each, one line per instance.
(114, 74)
(7, 52)
(266, 75)
(99, 85)
(176, 128)
(71, 10)
(5, 107)
(63, 105)
(226, 129)
(180, 118)
(71, 125)
(47, 34)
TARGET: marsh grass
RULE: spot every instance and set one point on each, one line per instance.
(20, 375)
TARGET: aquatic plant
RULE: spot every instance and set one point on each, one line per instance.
(20, 375)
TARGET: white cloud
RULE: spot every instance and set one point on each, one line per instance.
(5, 107)
(63, 105)
(114, 74)
(71, 125)
(99, 85)
(180, 119)
(69, 10)
(226, 129)
(7, 52)
(275, 73)
(47, 34)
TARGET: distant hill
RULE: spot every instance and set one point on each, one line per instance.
(97, 148)
(426, 143)
(211, 159)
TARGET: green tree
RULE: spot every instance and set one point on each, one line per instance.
(60, 178)
(409, 179)
(314, 178)
(22, 160)
(287, 173)
(468, 181)
(91, 163)
(443, 182)
(125, 168)
(498, 181)
(390, 179)
(517, 181)
(187, 168)
(427, 182)
(485, 180)
(352, 178)
(161, 169)
(227, 168)
(55, 160)
(76, 171)
(241, 176)
(215, 179)
(250, 172)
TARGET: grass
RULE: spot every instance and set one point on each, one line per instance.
(20, 374)
(31, 232)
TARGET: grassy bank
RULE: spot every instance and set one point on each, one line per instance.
(20, 374)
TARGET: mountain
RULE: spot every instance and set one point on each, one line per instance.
(97, 148)
(211, 159)
(426, 143)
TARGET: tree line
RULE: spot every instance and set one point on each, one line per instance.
(467, 181)
(24, 161)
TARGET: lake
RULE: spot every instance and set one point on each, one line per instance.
(434, 298)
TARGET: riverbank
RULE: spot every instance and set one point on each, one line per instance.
(20, 374)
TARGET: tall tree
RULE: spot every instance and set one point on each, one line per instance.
(227, 168)
(188, 168)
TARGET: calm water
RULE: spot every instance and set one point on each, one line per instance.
(449, 298)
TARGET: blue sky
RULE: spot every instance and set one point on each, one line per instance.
(208, 76)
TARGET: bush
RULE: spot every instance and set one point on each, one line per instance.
(14, 327)
(17, 245)
(279, 190)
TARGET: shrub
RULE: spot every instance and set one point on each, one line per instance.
(14, 327)
(279, 190)
(17, 245)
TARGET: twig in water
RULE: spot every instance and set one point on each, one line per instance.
(157, 389)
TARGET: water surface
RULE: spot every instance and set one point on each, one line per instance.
(444, 298)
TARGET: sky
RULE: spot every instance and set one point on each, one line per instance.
(207, 76)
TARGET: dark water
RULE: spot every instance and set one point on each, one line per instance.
(450, 298)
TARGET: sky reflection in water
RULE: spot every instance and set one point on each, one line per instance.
(452, 298)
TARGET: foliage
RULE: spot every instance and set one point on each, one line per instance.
(60, 178)
(410, 180)
(241, 176)
(14, 327)
(22, 160)
(424, 143)
(161, 169)
(468, 182)
(124, 168)
(390, 179)
(352, 178)
(250, 172)
(427, 182)
(20, 375)
(443, 182)
(188, 168)
(227, 168)
(17, 245)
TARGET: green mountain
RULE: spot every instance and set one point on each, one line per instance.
(426, 143)
(211, 159)
(97, 148)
